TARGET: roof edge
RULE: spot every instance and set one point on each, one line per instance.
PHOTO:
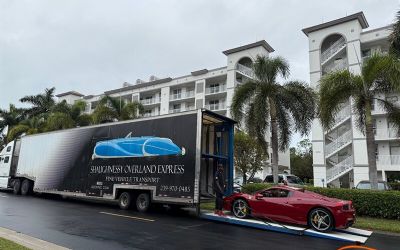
(261, 43)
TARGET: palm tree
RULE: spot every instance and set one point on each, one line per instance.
(395, 37)
(379, 75)
(41, 103)
(30, 126)
(10, 117)
(264, 103)
(112, 109)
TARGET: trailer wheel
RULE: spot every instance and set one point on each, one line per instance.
(17, 186)
(143, 202)
(26, 187)
(125, 200)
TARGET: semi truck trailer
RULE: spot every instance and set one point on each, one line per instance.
(168, 159)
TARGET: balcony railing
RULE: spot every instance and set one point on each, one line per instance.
(339, 169)
(388, 159)
(216, 107)
(336, 65)
(338, 142)
(343, 114)
(335, 47)
(172, 111)
(215, 90)
(386, 133)
(245, 70)
(150, 101)
(183, 95)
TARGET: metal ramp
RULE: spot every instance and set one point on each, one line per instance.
(353, 235)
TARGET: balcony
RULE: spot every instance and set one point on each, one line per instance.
(339, 169)
(386, 133)
(216, 107)
(180, 96)
(333, 50)
(246, 71)
(388, 160)
(216, 90)
(150, 101)
(336, 65)
(173, 111)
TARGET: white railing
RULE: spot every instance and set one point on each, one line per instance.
(336, 65)
(149, 101)
(339, 169)
(388, 160)
(386, 133)
(343, 114)
(245, 70)
(336, 46)
(183, 95)
(216, 89)
(216, 107)
(339, 142)
(172, 111)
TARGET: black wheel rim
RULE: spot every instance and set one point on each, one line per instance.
(321, 220)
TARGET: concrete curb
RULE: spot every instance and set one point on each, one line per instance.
(28, 241)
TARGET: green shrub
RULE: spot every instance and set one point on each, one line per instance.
(395, 185)
(377, 204)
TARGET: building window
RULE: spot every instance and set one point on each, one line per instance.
(177, 93)
(176, 108)
(8, 148)
(214, 88)
(6, 159)
(214, 104)
(374, 126)
(373, 105)
(376, 152)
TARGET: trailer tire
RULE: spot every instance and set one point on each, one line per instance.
(17, 186)
(143, 202)
(26, 187)
(125, 200)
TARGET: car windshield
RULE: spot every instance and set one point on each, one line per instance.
(294, 179)
(367, 185)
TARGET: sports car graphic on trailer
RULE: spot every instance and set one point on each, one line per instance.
(136, 147)
(294, 206)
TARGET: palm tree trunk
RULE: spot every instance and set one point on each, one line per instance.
(274, 142)
(369, 133)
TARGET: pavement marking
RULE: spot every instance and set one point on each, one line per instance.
(130, 217)
(3, 196)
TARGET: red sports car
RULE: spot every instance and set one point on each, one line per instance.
(293, 205)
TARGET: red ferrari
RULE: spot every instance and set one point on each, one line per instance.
(293, 205)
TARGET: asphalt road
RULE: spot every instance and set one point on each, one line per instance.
(86, 225)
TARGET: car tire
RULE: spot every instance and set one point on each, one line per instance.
(143, 202)
(241, 209)
(17, 186)
(125, 200)
(321, 220)
(26, 187)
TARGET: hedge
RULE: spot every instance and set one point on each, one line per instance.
(377, 204)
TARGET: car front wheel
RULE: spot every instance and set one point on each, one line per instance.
(240, 208)
(321, 220)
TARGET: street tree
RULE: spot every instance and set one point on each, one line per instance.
(249, 156)
(263, 103)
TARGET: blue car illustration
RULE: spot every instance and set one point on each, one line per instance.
(136, 147)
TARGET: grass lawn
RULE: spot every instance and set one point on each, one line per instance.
(367, 223)
(386, 225)
(9, 245)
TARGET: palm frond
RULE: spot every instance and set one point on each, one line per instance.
(242, 96)
(334, 89)
(268, 69)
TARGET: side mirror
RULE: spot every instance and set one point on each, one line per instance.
(259, 196)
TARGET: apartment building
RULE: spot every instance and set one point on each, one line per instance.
(340, 154)
(212, 89)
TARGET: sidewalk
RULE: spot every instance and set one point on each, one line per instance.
(28, 241)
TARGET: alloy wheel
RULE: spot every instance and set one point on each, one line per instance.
(240, 209)
(321, 220)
